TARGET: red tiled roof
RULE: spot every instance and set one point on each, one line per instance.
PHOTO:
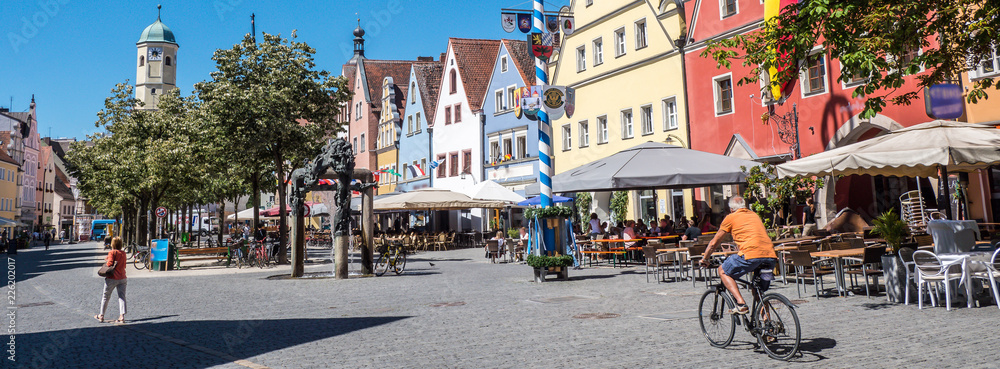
(377, 70)
(522, 59)
(475, 59)
(349, 71)
(428, 76)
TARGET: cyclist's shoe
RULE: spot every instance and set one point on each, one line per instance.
(739, 310)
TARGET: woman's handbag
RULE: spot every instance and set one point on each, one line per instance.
(107, 271)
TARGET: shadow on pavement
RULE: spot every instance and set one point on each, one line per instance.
(877, 305)
(810, 348)
(585, 277)
(40, 261)
(152, 318)
(201, 344)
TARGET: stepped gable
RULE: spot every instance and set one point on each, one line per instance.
(525, 63)
(428, 75)
(475, 59)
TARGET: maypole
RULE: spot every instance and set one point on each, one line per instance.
(545, 170)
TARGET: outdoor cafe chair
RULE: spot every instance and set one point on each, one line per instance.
(869, 267)
(649, 252)
(906, 255)
(493, 250)
(695, 254)
(991, 272)
(931, 270)
(801, 261)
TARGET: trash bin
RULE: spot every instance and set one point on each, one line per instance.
(159, 254)
(171, 256)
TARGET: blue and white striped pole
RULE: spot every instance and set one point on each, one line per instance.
(544, 127)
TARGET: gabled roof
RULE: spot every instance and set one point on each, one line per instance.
(62, 189)
(428, 76)
(475, 59)
(376, 70)
(349, 71)
(22, 117)
(4, 141)
(523, 60)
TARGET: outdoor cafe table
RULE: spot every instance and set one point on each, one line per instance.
(615, 251)
(838, 267)
(970, 264)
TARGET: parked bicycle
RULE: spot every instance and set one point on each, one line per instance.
(140, 257)
(772, 319)
(390, 256)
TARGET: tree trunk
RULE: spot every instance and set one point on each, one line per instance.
(154, 203)
(255, 195)
(222, 219)
(279, 164)
(141, 231)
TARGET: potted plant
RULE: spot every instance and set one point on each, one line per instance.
(894, 231)
(544, 264)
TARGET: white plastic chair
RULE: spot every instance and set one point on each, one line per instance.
(930, 269)
(992, 273)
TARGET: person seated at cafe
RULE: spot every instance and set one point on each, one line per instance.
(692, 232)
(639, 227)
(654, 228)
(617, 229)
(706, 222)
(666, 224)
(595, 227)
(500, 243)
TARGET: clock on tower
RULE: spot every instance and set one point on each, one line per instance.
(155, 53)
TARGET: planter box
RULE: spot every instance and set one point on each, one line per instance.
(561, 273)
(894, 273)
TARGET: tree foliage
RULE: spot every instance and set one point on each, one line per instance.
(876, 39)
(767, 195)
(619, 206)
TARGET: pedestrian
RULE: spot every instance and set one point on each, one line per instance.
(48, 239)
(809, 218)
(595, 227)
(117, 280)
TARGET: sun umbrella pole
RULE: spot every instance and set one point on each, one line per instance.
(944, 203)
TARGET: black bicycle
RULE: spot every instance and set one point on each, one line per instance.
(772, 319)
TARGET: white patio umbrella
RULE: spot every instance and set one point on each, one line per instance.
(490, 190)
(916, 151)
(433, 199)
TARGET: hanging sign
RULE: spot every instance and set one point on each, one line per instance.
(552, 23)
(524, 23)
(570, 106)
(554, 98)
(541, 45)
(531, 105)
(944, 101)
(517, 103)
(568, 24)
(508, 21)
(161, 212)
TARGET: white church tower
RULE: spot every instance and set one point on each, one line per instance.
(156, 70)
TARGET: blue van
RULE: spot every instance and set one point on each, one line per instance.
(99, 228)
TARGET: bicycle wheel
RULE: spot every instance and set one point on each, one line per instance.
(399, 262)
(382, 264)
(717, 323)
(147, 261)
(779, 327)
(261, 258)
(137, 260)
(251, 258)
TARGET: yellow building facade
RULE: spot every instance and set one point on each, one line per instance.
(9, 189)
(984, 185)
(386, 144)
(624, 64)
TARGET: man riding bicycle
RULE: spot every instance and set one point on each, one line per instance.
(755, 249)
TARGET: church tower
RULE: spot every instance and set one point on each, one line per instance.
(156, 69)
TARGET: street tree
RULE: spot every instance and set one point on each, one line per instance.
(276, 105)
(883, 41)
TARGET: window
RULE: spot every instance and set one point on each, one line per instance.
(581, 59)
(602, 129)
(442, 168)
(363, 142)
(458, 113)
(417, 123)
(723, 94)
(640, 34)
(646, 118)
(584, 134)
(453, 163)
(153, 91)
(852, 80)
(357, 115)
(729, 8)
(522, 146)
(447, 115)
(409, 125)
(503, 64)
(166, 61)
(413, 93)
(598, 51)
(590, 2)
(567, 137)
(626, 119)
(499, 101)
(669, 114)
(989, 65)
(814, 82)
(495, 153)
(620, 42)
(453, 82)
(467, 161)
(423, 165)
(142, 60)
(508, 148)
(510, 97)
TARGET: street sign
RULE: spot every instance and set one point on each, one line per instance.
(944, 101)
(161, 212)
(305, 210)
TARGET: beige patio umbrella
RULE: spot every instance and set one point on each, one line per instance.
(433, 199)
(916, 151)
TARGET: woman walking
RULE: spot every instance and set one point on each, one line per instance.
(117, 280)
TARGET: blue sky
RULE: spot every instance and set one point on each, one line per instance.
(71, 53)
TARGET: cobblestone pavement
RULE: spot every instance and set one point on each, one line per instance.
(460, 312)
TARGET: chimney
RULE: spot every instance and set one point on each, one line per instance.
(4, 110)
(442, 57)
(425, 58)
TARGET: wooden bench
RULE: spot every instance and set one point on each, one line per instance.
(213, 251)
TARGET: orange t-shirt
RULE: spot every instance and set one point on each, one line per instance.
(749, 234)
(119, 256)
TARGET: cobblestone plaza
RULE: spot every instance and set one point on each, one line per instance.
(460, 312)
